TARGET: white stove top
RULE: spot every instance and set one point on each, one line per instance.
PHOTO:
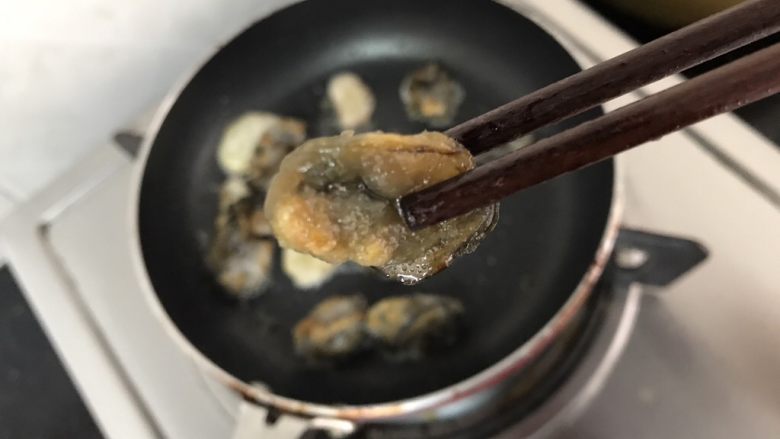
(701, 361)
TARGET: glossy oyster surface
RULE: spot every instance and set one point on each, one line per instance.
(333, 329)
(334, 198)
(412, 325)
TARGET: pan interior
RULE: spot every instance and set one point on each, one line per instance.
(511, 286)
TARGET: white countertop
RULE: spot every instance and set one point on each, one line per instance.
(74, 71)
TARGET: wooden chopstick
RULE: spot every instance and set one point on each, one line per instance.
(670, 54)
(727, 88)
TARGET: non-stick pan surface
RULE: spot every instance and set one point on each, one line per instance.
(514, 283)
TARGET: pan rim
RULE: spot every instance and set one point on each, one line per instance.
(482, 381)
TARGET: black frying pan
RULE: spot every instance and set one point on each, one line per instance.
(511, 286)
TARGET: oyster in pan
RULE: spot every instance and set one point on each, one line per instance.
(349, 101)
(410, 326)
(306, 271)
(431, 96)
(242, 245)
(241, 251)
(334, 198)
(246, 271)
(253, 146)
(333, 329)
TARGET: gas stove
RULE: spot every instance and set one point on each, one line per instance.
(693, 359)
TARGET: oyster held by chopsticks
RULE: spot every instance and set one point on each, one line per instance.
(333, 198)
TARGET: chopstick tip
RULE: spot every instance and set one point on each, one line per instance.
(410, 220)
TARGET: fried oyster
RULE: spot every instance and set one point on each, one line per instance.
(431, 96)
(334, 198)
(412, 325)
(333, 329)
(254, 144)
(351, 100)
(241, 249)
